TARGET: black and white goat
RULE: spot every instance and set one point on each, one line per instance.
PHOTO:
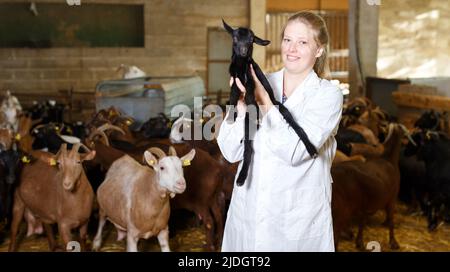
(241, 59)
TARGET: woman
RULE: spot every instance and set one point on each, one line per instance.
(285, 203)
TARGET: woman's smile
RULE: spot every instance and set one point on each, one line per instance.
(292, 58)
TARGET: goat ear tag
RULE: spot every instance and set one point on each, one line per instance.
(17, 137)
(52, 162)
(128, 122)
(151, 162)
(25, 159)
(186, 162)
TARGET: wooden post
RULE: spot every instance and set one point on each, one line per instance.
(258, 25)
(363, 45)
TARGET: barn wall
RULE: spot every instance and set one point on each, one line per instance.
(413, 39)
(363, 37)
(175, 45)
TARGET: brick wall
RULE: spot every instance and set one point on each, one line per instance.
(175, 45)
(413, 39)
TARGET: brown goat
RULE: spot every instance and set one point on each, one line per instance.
(341, 157)
(362, 188)
(23, 137)
(59, 195)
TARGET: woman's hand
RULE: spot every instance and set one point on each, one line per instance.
(261, 96)
(241, 106)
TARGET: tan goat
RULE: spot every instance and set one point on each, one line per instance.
(55, 194)
(135, 198)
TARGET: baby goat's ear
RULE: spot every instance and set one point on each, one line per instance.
(227, 27)
(261, 41)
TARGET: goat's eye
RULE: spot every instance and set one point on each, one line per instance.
(78, 162)
(162, 168)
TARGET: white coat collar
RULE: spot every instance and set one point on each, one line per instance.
(311, 81)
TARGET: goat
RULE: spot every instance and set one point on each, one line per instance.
(6, 138)
(433, 148)
(11, 108)
(131, 71)
(10, 166)
(241, 59)
(157, 127)
(135, 198)
(434, 120)
(205, 176)
(362, 188)
(59, 195)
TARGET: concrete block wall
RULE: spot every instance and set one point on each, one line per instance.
(413, 39)
(175, 45)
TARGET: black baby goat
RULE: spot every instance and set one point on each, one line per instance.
(241, 59)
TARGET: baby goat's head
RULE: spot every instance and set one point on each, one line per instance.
(243, 39)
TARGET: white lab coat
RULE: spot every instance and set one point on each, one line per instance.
(285, 203)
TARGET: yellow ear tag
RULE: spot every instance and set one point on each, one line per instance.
(25, 159)
(186, 162)
(128, 122)
(57, 128)
(151, 162)
(17, 137)
(52, 162)
(202, 120)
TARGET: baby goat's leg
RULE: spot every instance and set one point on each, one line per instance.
(235, 94)
(248, 153)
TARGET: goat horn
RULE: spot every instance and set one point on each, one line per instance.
(390, 131)
(107, 126)
(172, 151)
(431, 132)
(40, 126)
(157, 151)
(407, 134)
(101, 133)
(62, 149)
(75, 147)
(85, 147)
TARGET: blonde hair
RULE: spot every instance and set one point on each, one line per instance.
(321, 37)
